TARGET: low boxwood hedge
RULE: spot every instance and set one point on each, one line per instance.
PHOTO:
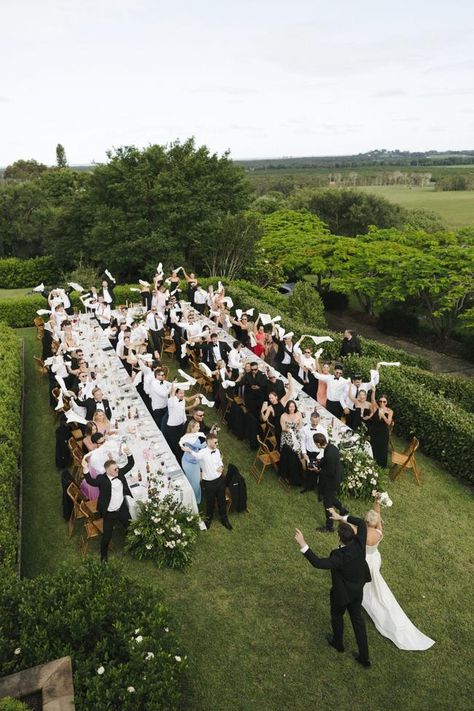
(18, 273)
(444, 428)
(10, 445)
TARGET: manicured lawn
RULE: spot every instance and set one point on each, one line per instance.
(8, 293)
(252, 613)
(455, 207)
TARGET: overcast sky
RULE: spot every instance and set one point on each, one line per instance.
(263, 78)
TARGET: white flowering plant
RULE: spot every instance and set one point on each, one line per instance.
(361, 473)
(164, 531)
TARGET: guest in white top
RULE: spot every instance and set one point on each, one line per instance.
(213, 482)
(311, 454)
(173, 430)
(337, 387)
(236, 359)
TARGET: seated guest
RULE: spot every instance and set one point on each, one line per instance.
(97, 402)
(103, 313)
(102, 422)
(87, 443)
(275, 383)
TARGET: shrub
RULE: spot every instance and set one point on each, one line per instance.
(10, 445)
(445, 430)
(396, 319)
(305, 304)
(115, 629)
(18, 273)
(10, 704)
(20, 311)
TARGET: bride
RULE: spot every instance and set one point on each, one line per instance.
(379, 601)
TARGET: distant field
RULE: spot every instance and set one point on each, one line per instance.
(456, 208)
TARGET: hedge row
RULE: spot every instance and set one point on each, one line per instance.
(10, 445)
(444, 428)
(18, 273)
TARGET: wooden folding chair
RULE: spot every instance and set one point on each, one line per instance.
(391, 444)
(167, 346)
(269, 436)
(41, 369)
(406, 460)
(264, 458)
(77, 498)
(93, 527)
(39, 324)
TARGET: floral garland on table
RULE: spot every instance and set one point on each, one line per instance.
(164, 531)
(362, 476)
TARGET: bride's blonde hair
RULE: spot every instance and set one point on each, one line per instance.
(372, 518)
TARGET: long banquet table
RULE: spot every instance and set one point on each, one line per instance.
(152, 454)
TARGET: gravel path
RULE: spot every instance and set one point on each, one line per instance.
(440, 362)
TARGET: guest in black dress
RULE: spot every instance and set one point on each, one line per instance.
(379, 425)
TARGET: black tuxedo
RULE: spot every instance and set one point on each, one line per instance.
(349, 573)
(282, 351)
(255, 390)
(207, 351)
(329, 481)
(104, 484)
(91, 407)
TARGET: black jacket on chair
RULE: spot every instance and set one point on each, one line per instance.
(103, 483)
(91, 407)
(349, 569)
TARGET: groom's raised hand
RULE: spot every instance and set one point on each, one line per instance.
(299, 538)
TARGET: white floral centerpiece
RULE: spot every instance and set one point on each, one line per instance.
(163, 531)
(361, 473)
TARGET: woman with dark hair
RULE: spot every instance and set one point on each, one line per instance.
(291, 422)
(379, 423)
(87, 443)
(350, 344)
(273, 409)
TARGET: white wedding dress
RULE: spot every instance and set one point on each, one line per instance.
(387, 615)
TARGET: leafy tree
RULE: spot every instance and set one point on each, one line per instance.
(291, 240)
(61, 160)
(348, 212)
(306, 305)
(230, 248)
(24, 170)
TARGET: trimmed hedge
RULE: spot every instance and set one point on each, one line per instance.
(18, 273)
(444, 428)
(10, 445)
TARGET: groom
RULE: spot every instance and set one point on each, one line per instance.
(349, 572)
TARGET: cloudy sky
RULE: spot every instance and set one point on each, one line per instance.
(263, 78)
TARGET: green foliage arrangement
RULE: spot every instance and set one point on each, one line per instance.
(115, 629)
(361, 474)
(23, 273)
(164, 531)
(10, 445)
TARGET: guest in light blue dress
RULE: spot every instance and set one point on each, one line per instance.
(195, 440)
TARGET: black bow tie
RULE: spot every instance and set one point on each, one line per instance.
(213, 451)
(313, 429)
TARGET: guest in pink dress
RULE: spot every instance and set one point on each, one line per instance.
(91, 493)
(321, 396)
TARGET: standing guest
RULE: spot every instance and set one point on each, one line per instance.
(329, 479)
(255, 384)
(273, 408)
(111, 504)
(275, 383)
(362, 410)
(155, 325)
(350, 344)
(242, 328)
(291, 422)
(349, 573)
(285, 361)
(235, 359)
(200, 299)
(145, 295)
(336, 390)
(271, 351)
(174, 427)
(355, 387)
(379, 424)
(215, 351)
(193, 440)
(89, 492)
(322, 393)
(159, 391)
(103, 313)
(213, 482)
(309, 450)
(106, 292)
(307, 366)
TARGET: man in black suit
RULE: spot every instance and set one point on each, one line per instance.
(330, 477)
(111, 504)
(97, 402)
(349, 573)
(214, 351)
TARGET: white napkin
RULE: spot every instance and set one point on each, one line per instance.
(187, 377)
(265, 319)
(319, 339)
(205, 401)
(133, 288)
(43, 312)
(75, 286)
(385, 363)
(143, 282)
(40, 287)
(109, 275)
(72, 416)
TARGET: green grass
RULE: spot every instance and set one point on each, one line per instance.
(252, 613)
(8, 293)
(455, 207)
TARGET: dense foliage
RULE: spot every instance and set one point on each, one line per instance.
(115, 630)
(10, 446)
(18, 273)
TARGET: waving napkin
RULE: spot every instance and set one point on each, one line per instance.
(205, 369)
(318, 339)
(72, 416)
(205, 401)
(40, 287)
(187, 377)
